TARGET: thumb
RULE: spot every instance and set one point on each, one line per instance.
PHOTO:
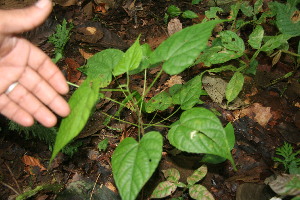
(20, 20)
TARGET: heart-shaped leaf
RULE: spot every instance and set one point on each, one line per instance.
(133, 163)
(199, 131)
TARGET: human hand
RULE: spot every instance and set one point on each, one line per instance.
(39, 81)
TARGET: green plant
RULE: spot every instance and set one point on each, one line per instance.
(168, 187)
(174, 11)
(290, 159)
(60, 38)
(102, 146)
(198, 130)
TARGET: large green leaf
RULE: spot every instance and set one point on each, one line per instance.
(101, 64)
(255, 38)
(180, 50)
(130, 60)
(199, 131)
(81, 104)
(188, 95)
(133, 163)
(234, 86)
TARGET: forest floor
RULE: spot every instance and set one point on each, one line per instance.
(271, 116)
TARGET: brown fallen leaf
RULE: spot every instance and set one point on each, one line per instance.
(73, 73)
(31, 161)
(174, 80)
(258, 113)
(84, 54)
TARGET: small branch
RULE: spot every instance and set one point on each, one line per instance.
(94, 186)
(8, 186)
(13, 177)
(119, 119)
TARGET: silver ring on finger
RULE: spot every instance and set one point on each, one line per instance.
(11, 87)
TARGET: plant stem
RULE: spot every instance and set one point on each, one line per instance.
(155, 79)
(119, 119)
(155, 124)
(291, 53)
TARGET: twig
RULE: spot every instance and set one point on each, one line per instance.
(94, 186)
(13, 177)
(10, 187)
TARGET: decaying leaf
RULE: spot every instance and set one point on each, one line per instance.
(258, 113)
(174, 26)
(215, 88)
(174, 80)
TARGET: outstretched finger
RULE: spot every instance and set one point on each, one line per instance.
(36, 85)
(24, 19)
(14, 112)
(42, 64)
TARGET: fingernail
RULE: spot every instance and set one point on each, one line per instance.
(42, 3)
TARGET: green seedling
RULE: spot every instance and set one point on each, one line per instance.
(174, 11)
(196, 191)
(60, 38)
(102, 146)
(288, 158)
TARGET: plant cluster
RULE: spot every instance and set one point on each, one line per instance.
(60, 38)
(196, 191)
(289, 159)
(198, 129)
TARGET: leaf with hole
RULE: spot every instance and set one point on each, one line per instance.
(199, 131)
(231, 41)
(200, 192)
(287, 18)
(197, 175)
(81, 104)
(134, 162)
(234, 86)
(130, 60)
(180, 50)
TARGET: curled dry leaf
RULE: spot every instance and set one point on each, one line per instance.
(31, 161)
